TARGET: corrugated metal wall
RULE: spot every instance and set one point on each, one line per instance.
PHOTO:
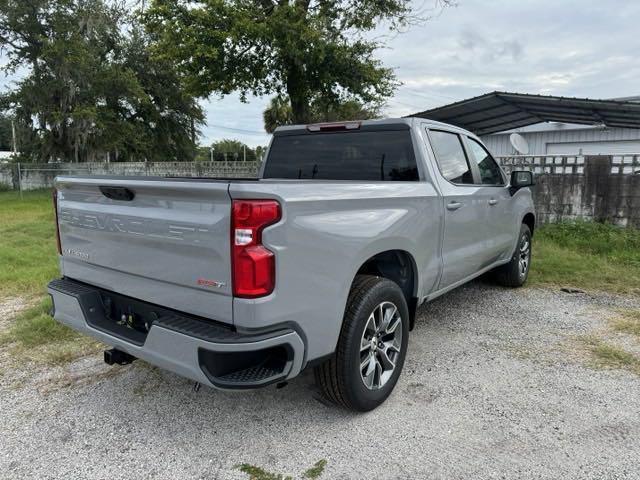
(499, 143)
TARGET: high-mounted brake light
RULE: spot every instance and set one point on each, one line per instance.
(55, 209)
(332, 127)
(253, 266)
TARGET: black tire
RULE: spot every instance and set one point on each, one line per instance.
(511, 274)
(341, 378)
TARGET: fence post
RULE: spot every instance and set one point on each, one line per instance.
(19, 181)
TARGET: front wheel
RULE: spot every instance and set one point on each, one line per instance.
(371, 347)
(515, 273)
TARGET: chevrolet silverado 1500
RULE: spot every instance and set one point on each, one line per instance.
(320, 263)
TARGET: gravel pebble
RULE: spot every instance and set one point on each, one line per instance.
(489, 390)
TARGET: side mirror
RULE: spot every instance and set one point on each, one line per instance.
(520, 179)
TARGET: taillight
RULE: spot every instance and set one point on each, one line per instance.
(55, 209)
(253, 266)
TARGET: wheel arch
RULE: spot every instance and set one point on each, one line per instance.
(400, 267)
(530, 221)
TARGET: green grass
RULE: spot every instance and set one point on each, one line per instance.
(29, 261)
(258, 473)
(591, 256)
(628, 322)
(606, 355)
(27, 243)
(35, 336)
(316, 471)
(33, 328)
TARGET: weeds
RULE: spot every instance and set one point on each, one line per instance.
(591, 256)
(606, 355)
(257, 473)
(35, 336)
(315, 471)
(628, 322)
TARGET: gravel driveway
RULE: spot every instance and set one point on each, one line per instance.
(495, 386)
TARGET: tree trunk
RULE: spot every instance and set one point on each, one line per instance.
(297, 91)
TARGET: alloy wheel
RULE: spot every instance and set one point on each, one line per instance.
(380, 345)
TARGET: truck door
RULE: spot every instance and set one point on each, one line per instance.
(495, 200)
(465, 236)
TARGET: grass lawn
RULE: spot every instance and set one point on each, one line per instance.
(581, 255)
(27, 244)
(591, 256)
(29, 260)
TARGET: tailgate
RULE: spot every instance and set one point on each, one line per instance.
(168, 245)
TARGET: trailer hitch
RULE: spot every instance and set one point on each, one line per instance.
(113, 356)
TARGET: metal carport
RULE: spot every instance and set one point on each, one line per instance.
(500, 111)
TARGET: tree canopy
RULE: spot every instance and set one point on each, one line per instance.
(304, 49)
(230, 150)
(279, 112)
(92, 91)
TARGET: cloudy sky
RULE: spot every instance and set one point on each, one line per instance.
(581, 48)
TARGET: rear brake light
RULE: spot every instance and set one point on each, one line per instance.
(253, 266)
(332, 127)
(55, 209)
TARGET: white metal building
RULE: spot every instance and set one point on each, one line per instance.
(567, 139)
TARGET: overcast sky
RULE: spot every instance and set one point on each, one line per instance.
(581, 48)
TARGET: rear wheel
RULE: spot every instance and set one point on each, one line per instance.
(371, 348)
(516, 272)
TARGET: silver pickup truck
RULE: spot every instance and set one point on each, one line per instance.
(320, 263)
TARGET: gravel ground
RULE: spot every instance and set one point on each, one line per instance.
(494, 386)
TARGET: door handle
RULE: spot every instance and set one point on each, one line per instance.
(453, 205)
(493, 201)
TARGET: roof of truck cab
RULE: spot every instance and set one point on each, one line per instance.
(408, 122)
(379, 121)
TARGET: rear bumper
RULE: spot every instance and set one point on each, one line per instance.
(191, 347)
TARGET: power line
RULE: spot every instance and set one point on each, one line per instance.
(393, 100)
(428, 95)
(238, 130)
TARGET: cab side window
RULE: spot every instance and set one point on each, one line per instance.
(490, 173)
(450, 157)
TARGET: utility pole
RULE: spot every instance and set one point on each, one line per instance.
(211, 151)
(244, 153)
(14, 143)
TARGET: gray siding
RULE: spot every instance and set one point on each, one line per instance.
(499, 143)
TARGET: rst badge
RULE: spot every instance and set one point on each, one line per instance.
(205, 282)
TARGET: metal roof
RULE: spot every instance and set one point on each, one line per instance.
(499, 111)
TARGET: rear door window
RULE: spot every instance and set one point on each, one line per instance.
(490, 173)
(361, 155)
(450, 156)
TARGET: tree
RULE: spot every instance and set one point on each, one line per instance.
(298, 48)
(6, 137)
(92, 91)
(279, 112)
(169, 115)
(228, 149)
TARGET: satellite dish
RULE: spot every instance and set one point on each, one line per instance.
(519, 143)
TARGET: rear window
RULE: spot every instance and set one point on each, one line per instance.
(363, 155)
